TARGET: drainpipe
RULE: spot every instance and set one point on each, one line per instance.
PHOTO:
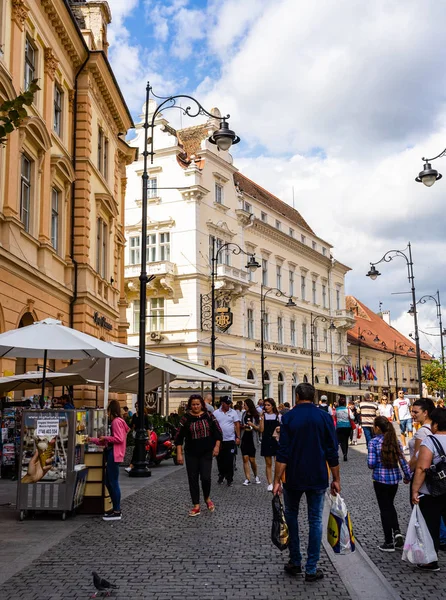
(73, 191)
(330, 281)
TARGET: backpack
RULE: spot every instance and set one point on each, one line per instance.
(436, 474)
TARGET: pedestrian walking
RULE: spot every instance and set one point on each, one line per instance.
(403, 416)
(385, 409)
(208, 403)
(229, 422)
(323, 404)
(344, 419)
(432, 507)
(269, 422)
(368, 411)
(115, 445)
(354, 430)
(249, 424)
(307, 445)
(386, 457)
(201, 434)
(421, 414)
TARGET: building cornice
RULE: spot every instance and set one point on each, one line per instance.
(69, 35)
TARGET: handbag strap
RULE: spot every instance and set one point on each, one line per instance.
(438, 447)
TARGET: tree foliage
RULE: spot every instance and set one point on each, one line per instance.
(433, 376)
(12, 112)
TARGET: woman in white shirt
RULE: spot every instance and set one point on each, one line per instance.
(385, 409)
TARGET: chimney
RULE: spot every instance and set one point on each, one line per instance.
(385, 316)
(93, 17)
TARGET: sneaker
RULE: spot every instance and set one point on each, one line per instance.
(113, 516)
(210, 505)
(270, 487)
(220, 480)
(229, 483)
(194, 512)
(108, 513)
(246, 482)
(257, 479)
(345, 458)
(398, 539)
(310, 577)
(128, 469)
(431, 567)
(387, 547)
(292, 570)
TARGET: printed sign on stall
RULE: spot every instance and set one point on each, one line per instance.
(47, 427)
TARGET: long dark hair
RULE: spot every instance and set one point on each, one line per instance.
(273, 405)
(252, 411)
(196, 397)
(114, 409)
(426, 404)
(390, 451)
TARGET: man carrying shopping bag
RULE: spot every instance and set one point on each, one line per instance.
(307, 444)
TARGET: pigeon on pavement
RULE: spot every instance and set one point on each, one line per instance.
(102, 585)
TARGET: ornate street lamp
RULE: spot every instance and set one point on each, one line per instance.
(290, 304)
(374, 273)
(312, 322)
(223, 138)
(428, 175)
(252, 265)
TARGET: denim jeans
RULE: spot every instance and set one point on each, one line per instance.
(315, 502)
(368, 434)
(112, 480)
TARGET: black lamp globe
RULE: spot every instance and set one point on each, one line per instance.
(224, 137)
(252, 265)
(428, 175)
(290, 303)
(373, 273)
(332, 326)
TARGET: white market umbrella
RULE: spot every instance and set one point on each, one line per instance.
(50, 339)
(31, 381)
(233, 381)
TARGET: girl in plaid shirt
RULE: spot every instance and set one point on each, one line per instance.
(385, 457)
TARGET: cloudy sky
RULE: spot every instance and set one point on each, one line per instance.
(337, 101)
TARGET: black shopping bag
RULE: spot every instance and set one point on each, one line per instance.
(280, 536)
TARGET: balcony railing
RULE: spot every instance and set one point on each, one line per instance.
(234, 273)
(162, 267)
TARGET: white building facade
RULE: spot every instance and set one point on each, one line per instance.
(197, 194)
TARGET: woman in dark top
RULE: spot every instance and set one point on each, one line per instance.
(269, 423)
(200, 431)
(250, 423)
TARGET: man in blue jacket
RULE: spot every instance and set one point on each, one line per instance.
(307, 445)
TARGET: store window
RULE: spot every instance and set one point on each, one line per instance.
(156, 314)
(55, 218)
(250, 323)
(58, 103)
(280, 330)
(25, 191)
(30, 63)
(101, 247)
(135, 250)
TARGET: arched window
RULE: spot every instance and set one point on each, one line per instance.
(221, 370)
(305, 379)
(250, 375)
(281, 388)
(327, 380)
(316, 379)
(267, 384)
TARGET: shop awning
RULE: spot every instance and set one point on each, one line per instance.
(339, 389)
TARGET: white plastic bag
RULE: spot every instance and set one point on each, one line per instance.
(339, 528)
(418, 545)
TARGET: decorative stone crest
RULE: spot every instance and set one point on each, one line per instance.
(19, 12)
(51, 62)
(70, 100)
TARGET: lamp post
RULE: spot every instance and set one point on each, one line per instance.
(252, 265)
(374, 273)
(223, 138)
(360, 339)
(290, 304)
(428, 175)
(312, 322)
(436, 299)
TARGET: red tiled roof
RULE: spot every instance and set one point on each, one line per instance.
(390, 340)
(256, 191)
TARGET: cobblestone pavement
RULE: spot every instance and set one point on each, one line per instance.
(357, 490)
(157, 552)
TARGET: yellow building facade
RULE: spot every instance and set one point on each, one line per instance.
(62, 173)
